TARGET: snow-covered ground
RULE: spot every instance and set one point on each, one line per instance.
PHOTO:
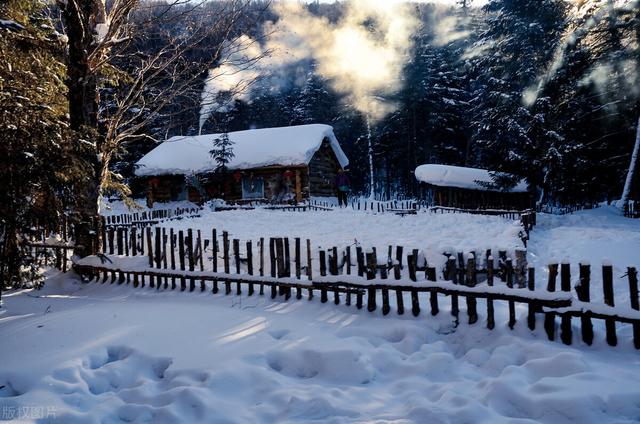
(590, 236)
(83, 353)
(100, 353)
(432, 233)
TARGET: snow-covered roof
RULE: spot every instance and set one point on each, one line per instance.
(285, 146)
(461, 177)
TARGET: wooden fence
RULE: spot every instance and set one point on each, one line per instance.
(565, 209)
(189, 260)
(145, 218)
(631, 210)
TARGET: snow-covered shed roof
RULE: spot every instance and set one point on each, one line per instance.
(461, 177)
(284, 146)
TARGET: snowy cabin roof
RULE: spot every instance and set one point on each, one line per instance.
(284, 146)
(461, 177)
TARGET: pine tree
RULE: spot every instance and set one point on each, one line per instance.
(39, 165)
(222, 152)
(510, 132)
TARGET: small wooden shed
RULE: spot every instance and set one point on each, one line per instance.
(469, 188)
(271, 164)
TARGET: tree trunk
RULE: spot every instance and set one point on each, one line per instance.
(632, 170)
(81, 19)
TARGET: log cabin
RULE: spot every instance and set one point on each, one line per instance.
(469, 188)
(275, 165)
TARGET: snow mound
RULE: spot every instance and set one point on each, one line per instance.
(285, 146)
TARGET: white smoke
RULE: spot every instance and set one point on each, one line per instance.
(232, 79)
(362, 54)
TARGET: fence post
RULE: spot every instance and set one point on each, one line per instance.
(521, 268)
(471, 280)
(298, 267)
(183, 282)
(261, 269)
(333, 263)
(323, 272)
(236, 259)
(250, 265)
(158, 255)
(360, 261)
(214, 258)
(512, 305)
(397, 267)
(550, 317)
(433, 295)
(607, 288)
(584, 295)
(172, 247)
(309, 269)
(200, 249)
(635, 304)
(412, 262)
(565, 320)
(385, 295)
(225, 261)
(531, 315)
(150, 256)
(272, 263)
(192, 282)
(452, 275)
(491, 321)
(371, 274)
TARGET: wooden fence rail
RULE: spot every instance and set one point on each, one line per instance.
(163, 258)
(144, 218)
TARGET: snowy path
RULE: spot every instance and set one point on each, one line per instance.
(106, 354)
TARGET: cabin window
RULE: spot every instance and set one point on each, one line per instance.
(252, 187)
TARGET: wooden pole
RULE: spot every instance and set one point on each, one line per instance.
(566, 334)
(607, 288)
(433, 296)
(214, 258)
(512, 305)
(309, 268)
(192, 282)
(550, 317)
(236, 259)
(584, 295)
(200, 256)
(323, 272)
(371, 274)
(531, 313)
(471, 280)
(412, 262)
(272, 262)
(298, 266)
(225, 261)
(491, 321)
(635, 303)
(172, 247)
(183, 282)
(250, 265)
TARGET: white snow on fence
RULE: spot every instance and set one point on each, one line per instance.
(461, 177)
(285, 146)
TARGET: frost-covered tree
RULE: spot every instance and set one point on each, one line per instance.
(511, 132)
(222, 152)
(103, 39)
(38, 163)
